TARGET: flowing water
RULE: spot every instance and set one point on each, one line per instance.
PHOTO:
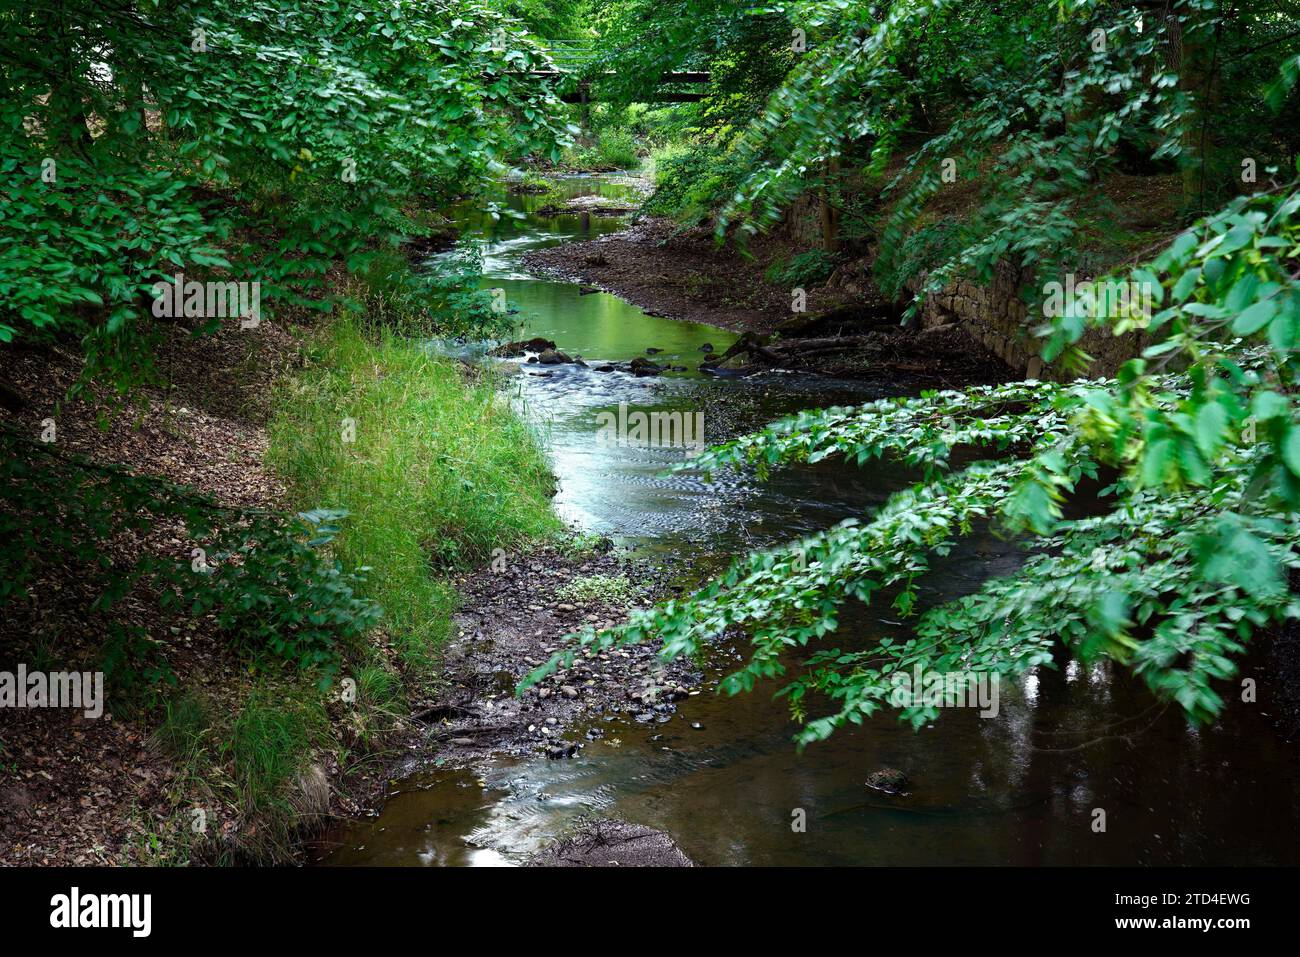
(1021, 788)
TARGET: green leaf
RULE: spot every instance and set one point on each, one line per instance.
(1254, 318)
(1291, 449)
(1211, 428)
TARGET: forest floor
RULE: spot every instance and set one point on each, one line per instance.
(104, 791)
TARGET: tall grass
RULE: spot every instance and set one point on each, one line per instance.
(271, 740)
(441, 471)
(613, 147)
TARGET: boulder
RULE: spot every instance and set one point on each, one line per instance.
(889, 780)
(513, 350)
(641, 366)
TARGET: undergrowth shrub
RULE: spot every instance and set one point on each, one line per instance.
(268, 578)
(802, 269)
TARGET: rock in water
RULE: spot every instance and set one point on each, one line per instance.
(643, 367)
(513, 350)
(613, 844)
(889, 780)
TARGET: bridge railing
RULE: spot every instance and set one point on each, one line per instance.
(571, 58)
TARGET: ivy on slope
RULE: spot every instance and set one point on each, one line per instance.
(266, 578)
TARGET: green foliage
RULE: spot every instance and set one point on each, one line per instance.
(187, 719)
(136, 670)
(441, 472)
(613, 149)
(1012, 112)
(745, 50)
(240, 141)
(808, 268)
(687, 180)
(274, 586)
(1226, 311)
(920, 249)
(1041, 114)
(611, 589)
(266, 578)
(269, 742)
(618, 148)
(439, 298)
(244, 759)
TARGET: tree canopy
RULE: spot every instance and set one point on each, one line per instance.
(248, 140)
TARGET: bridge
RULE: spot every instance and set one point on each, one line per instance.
(574, 61)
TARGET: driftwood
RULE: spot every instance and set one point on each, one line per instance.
(833, 344)
(784, 351)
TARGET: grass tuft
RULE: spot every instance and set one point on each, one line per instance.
(441, 471)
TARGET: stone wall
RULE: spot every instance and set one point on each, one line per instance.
(992, 314)
(997, 317)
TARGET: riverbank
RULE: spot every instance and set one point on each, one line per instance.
(513, 615)
(719, 782)
(846, 331)
(211, 751)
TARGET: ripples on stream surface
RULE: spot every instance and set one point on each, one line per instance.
(1018, 789)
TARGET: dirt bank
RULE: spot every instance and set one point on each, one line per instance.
(680, 275)
(116, 789)
(845, 332)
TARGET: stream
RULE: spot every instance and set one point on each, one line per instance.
(1020, 788)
